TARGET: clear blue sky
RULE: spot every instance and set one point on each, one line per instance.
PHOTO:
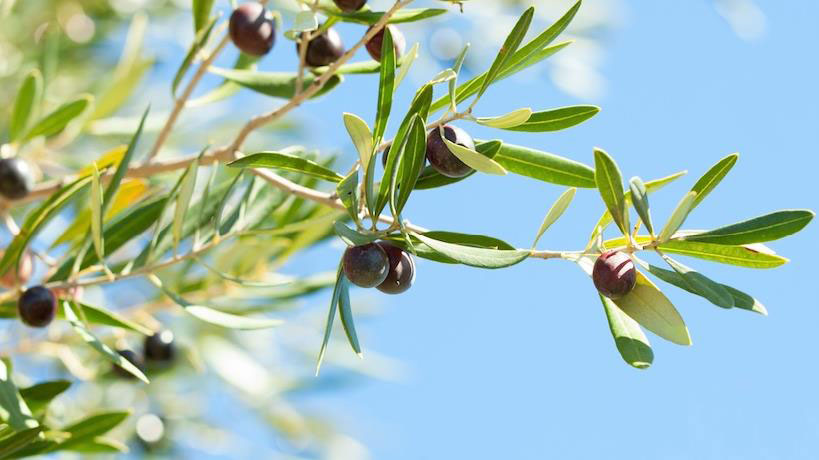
(519, 363)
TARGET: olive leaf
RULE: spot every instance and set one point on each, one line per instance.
(510, 45)
(647, 305)
(56, 121)
(508, 120)
(472, 158)
(760, 229)
(475, 256)
(386, 87)
(556, 119)
(361, 136)
(629, 338)
(557, 210)
(286, 162)
(610, 184)
(639, 196)
(25, 105)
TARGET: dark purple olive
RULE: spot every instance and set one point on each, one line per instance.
(37, 306)
(159, 348)
(375, 44)
(252, 29)
(348, 6)
(439, 155)
(402, 270)
(16, 178)
(614, 274)
(366, 265)
(323, 49)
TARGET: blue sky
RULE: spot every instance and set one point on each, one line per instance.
(519, 363)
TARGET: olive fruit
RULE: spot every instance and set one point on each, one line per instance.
(133, 358)
(402, 270)
(16, 178)
(366, 265)
(19, 276)
(323, 49)
(375, 44)
(37, 306)
(614, 274)
(348, 6)
(159, 348)
(439, 155)
(252, 29)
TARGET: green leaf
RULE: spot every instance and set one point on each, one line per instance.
(529, 54)
(347, 191)
(287, 162)
(101, 316)
(699, 284)
(35, 221)
(89, 428)
(639, 195)
(331, 314)
(507, 121)
(769, 227)
(651, 187)
(676, 219)
(100, 347)
(510, 45)
(198, 42)
(96, 214)
(456, 67)
(216, 317)
(25, 104)
(350, 236)
(201, 13)
(557, 210)
(122, 168)
(556, 119)
(412, 161)
(17, 441)
(629, 338)
(13, 408)
(99, 445)
(405, 63)
(56, 121)
(745, 301)
(40, 395)
(419, 106)
(430, 178)
(750, 256)
(713, 177)
(386, 87)
(610, 184)
(652, 309)
(361, 136)
(370, 196)
(544, 166)
(475, 257)
(472, 158)
(274, 84)
(183, 200)
(227, 88)
(371, 17)
(345, 314)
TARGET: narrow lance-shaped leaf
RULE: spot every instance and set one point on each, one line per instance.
(713, 177)
(430, 178)
(350, 236)
(459, 61)
(213, 316)
(629, 338)
(274, 84)
(286, 162)
(345, 314)
(412, 162)
(199, 41)
(331, 315)
(769, 227)
(14, 443)
(370, 192)
(96, 214)
(385, 88)
(677, 217)
(545, 166)
(201, 13)
(510, 45)
(472, 158)
(405, 63)
(557, 210)
(473, 256)
(639, 196)
(347, 191)
(56, 121)
(610, 184)
(701, 285)
(361, 136)
(28, 96)
(647, 305)
(122, 168)
(101, 316)
(506, 121)
(556, 119)
(13, 408)
(183, 200)
(100, 347)
(371, 17)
